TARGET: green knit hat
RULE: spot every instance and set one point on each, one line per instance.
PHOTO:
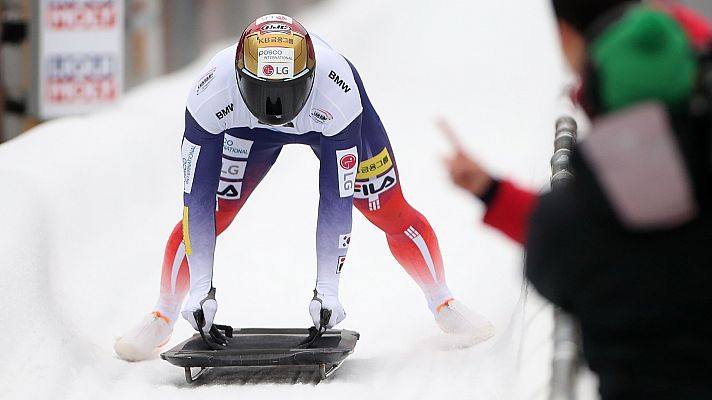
(645, 55)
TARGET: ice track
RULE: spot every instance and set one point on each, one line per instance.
(87, 204)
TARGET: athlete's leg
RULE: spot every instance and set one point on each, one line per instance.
(378, 196)
(410, 237)
(238, 179)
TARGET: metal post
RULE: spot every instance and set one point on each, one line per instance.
(14, 77)
(144, 51)
(564, 143)
(566, 335)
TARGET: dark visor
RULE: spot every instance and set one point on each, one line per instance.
(274, 102)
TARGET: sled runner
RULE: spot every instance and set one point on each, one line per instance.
(262, 347)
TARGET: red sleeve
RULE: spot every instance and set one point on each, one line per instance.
(510, 209)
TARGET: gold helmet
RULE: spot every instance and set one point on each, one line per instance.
(275, 68)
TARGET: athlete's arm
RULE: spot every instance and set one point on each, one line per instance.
(337, 174)
(339, 157)
(201, 153)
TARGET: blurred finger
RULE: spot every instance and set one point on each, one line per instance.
(449, 133)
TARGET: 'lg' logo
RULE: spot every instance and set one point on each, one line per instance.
(348, 161)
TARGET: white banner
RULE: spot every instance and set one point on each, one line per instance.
(80, 56)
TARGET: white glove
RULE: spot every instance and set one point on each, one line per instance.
(207, 305)
(326, 302)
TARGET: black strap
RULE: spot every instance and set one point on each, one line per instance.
(488, 196)
(218, 340)
(314, 333)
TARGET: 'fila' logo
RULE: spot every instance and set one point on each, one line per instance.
(339, 82)
(229, 190)
(224, 112)
(370, 189)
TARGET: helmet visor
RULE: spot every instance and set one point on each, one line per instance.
(275, 102)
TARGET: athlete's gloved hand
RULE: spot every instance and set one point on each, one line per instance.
(205, 303)
(326, 302)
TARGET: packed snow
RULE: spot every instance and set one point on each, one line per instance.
(88, 203)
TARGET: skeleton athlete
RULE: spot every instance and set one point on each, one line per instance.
(280, 85)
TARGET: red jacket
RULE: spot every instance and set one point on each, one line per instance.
(509, 209)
